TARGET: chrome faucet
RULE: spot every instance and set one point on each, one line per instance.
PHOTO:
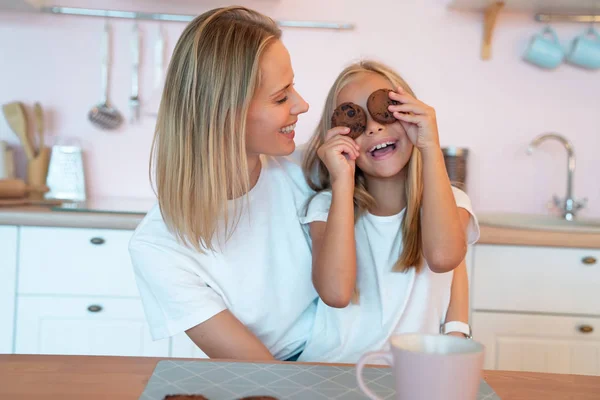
(569, 206)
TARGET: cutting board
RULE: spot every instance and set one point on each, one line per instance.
(229, 381)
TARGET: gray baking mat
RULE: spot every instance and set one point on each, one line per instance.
(230, 381)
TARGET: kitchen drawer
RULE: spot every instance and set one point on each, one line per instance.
(75, 261)
(539, 343)
(84, 326)
(536, 279)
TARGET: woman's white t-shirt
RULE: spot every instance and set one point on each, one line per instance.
(262, 274)
(390, 302)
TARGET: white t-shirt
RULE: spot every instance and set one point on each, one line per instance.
(390, 302)
(262, 274)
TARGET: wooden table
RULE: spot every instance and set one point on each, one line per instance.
(84, 377)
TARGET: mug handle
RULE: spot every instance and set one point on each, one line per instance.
(372, 355)
(551, 32)
(592, 32)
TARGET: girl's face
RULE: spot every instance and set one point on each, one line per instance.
(275, 107)
(396, 147)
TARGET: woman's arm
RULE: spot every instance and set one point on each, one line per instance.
(334, 250)
(224, 336)
(458, 309)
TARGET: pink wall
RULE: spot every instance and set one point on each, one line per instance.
(493, 107)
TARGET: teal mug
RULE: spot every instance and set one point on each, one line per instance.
(585, 50)
(544, 50)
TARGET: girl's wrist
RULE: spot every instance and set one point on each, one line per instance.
(342, 187)
(431, 151)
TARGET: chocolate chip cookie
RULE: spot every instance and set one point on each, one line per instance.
(351, 116)
(378, 103)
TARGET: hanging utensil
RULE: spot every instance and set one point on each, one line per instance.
(134, 101)
(103, 115)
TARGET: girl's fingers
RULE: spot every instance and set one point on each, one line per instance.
(338, 130)
(409, 108)
(345, 144)
(414, 119)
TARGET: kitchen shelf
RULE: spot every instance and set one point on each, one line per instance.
(144, 11)
(543, 11)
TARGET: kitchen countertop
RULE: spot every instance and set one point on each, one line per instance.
(131, 217)
(102, 377)
(44, 216)
(529, 237)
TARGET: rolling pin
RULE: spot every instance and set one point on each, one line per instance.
(17, 188)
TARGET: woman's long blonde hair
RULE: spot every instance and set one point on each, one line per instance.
(317, 175)
(199, 149)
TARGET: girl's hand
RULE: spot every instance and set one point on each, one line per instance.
(338, 154)
(417, 118)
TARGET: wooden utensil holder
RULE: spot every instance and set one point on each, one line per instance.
(37, 171)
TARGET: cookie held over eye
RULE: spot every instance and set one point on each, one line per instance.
(378, 103)
(352, 116)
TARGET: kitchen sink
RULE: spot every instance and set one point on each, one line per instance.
(540, 222)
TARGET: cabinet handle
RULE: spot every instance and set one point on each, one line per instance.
(94, 308)
(589, 260)
(97, 240)
(586, 329)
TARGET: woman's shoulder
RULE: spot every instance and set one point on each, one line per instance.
(152, 230)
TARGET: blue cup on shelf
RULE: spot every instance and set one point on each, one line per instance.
(585, 50)
(544, 50)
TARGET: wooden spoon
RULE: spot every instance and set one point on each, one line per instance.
(15, 116)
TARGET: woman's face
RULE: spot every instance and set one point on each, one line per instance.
(275, 107)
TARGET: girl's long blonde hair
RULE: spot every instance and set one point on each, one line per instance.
(317, 175)
(199, 149)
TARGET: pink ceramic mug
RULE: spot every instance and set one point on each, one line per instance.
(429, 367)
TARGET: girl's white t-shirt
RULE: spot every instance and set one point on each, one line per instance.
(390, 302)
(262, 274)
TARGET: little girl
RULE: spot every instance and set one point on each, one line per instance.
(388, 230)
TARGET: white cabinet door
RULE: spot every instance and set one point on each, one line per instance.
(539, 343)
(8, 273)
(536, 279)
(183, 347)
(84, 326)
(75, 261)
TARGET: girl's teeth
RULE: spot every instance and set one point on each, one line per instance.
(381, 146)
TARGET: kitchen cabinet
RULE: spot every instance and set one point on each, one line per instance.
(539, 343)
(76, 294)
(537, 309)
(75, 262)
(84, 325)
(8, 277)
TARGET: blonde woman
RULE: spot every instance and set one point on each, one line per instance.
(389, 233)
(222, 256)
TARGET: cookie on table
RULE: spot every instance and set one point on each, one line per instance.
(259, 398)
